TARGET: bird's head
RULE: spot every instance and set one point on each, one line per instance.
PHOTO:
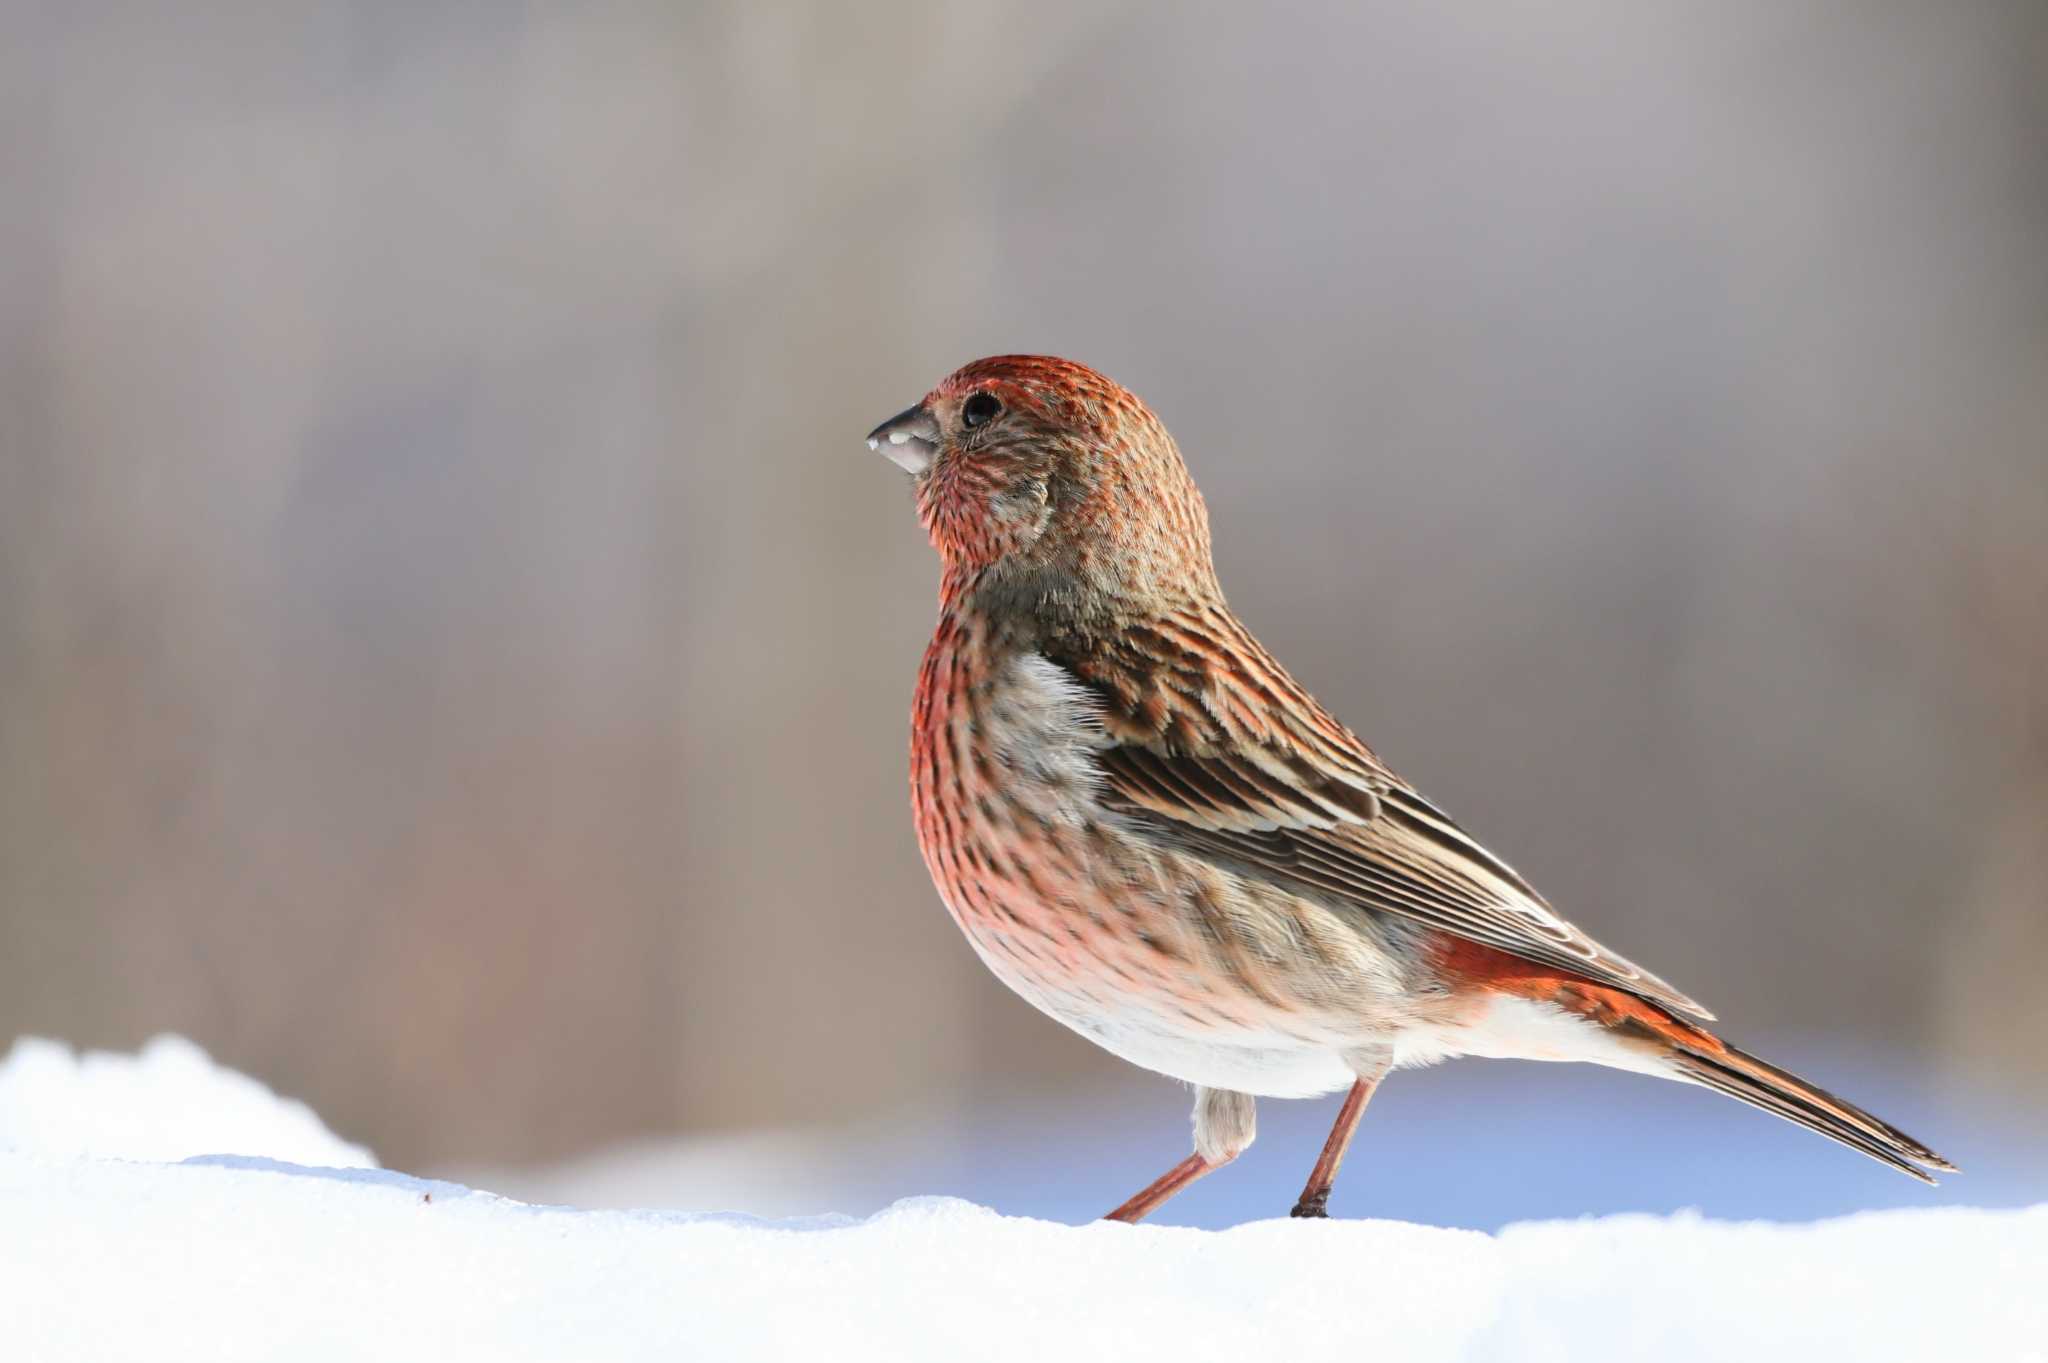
(1035, 470)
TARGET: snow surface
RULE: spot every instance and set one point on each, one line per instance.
(229, 1256)
(166, 1103)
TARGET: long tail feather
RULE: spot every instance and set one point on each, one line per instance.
(1761, 1084)
(1685, 1050)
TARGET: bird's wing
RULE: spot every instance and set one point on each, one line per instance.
(1283, 789)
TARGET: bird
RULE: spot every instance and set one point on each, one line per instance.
(1151, 832)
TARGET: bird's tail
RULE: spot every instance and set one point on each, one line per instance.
(1762, 1084)
(1692, 1053)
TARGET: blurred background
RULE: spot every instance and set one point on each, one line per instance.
(455, 648)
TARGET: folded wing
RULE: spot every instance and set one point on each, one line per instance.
(1328, 816)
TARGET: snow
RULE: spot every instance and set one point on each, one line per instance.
(244, 1253)
(166, 1103)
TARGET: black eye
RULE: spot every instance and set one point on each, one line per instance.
(978, 408)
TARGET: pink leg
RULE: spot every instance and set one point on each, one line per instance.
(1315, 1198)
(1166, 1185)
(1224, 1122)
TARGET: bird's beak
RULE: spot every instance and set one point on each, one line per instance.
(910, 439)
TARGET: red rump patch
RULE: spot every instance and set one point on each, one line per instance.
(1470, 967)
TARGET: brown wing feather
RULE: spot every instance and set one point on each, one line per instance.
(1211, 742)
(1409, 860)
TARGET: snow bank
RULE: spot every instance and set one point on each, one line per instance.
(241, 1259)
(228, 1257)
(166, 1103)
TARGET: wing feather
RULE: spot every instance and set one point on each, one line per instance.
(1393, 852)
(1208, 742)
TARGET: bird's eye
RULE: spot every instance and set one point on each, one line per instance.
(979, 408)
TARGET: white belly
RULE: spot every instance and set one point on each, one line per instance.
(1283, 1070)
(1264, 1064)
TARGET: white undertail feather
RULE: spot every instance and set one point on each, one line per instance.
(1512, 1028)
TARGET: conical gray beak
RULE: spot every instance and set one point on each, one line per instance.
(910, 439)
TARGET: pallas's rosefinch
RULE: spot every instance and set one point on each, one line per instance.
(1148, 829)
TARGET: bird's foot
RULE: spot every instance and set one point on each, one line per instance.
(1316, 1205)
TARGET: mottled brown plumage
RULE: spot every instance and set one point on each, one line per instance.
(1152, 832)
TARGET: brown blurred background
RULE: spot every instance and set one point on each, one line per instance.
(455, 649)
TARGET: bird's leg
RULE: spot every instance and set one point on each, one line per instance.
(1166, 1185)
(1224, 1125)
(1315, 1198)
